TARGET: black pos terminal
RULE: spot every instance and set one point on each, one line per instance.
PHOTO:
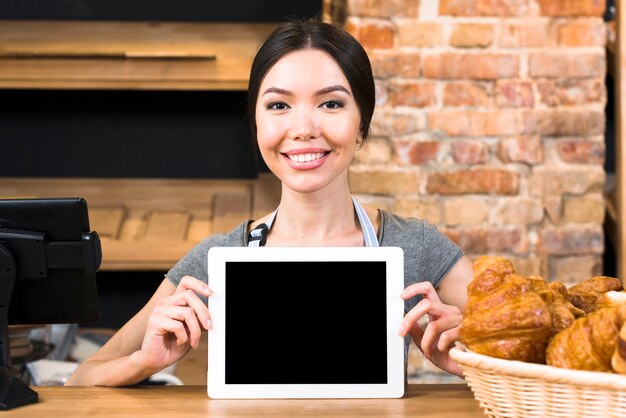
(48, 261)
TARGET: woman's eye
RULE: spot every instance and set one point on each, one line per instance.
(277, 106)
(332, 104)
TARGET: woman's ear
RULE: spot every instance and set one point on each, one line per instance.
(359, 142)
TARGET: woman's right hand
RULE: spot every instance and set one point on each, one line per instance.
(175, 325)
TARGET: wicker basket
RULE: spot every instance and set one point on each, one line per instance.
(506, 388)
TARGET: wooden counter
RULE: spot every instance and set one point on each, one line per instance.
(192, 401)
(128, 55)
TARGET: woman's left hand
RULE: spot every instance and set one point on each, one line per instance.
(442, 330)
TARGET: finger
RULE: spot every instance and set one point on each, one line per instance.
(186, 315)
(191, 283)
(448, 338)
(190, 320)
(200, 308)
(426, 306)
(191, 299)
(433, 331)
(164, 325)
(425, 289)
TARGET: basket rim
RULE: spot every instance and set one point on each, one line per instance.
(548, 374)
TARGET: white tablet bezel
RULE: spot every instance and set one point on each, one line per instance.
(394, 259)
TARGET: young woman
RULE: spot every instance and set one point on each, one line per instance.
(311, 100)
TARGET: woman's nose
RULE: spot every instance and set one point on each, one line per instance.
(304, 126)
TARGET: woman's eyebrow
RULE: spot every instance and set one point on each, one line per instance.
(319, 92)
(277, 90)
(331, 89)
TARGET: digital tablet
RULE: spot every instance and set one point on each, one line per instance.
(303, 322)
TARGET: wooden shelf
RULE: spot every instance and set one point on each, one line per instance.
(150, 224)
(128, 55)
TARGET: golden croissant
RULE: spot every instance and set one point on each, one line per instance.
(505, 316)
(611, 298)
(584, 294)
(589, 344)
(562, 312)
(618, 361)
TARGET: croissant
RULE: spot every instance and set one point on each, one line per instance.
(618, 361)
(492, 271)
(505, 316)
(589, 344)
(562, 312)
(611, 298)
(584, 294)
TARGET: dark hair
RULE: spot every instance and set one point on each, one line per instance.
(313, 34)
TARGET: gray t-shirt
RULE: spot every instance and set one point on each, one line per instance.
(428, 254)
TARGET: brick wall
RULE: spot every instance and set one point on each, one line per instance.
(489, 124)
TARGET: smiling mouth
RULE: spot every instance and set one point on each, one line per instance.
(305, 158)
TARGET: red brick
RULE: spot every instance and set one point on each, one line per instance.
(549, 93)
(412, 93)
(582, 33)
(375, 151)
(503, 8)
(476, 123)
(421, 208)
(504, 122)
(458, 7)
(418, 34)
(514, 94)
(564, 122)
(390, 63)
(524, 149)
(492, 239)
(372, 33)
(472, 35)
(466, 123)
(417, 152)
(469, 152)
(466, 211)
(583, 209)
(467, 94)
(522, 35)
(556, 64)
(383, 8)
(575, 269)
(567, 240)
(518, 211)
(484, 7)
(581, 152)
(572, 7)
(471, 66)
(573, 180)
(383, 181)
(397, 121)
(572, 92)
(482, 180)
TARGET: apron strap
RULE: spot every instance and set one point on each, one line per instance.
(259, 234)
(369, 233)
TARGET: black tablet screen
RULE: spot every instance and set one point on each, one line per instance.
(306, 323)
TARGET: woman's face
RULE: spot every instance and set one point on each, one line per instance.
(308, 124)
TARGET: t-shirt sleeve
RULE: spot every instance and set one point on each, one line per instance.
(439, 255)
(194, 263)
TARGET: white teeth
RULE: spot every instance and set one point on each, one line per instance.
(302, 158)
